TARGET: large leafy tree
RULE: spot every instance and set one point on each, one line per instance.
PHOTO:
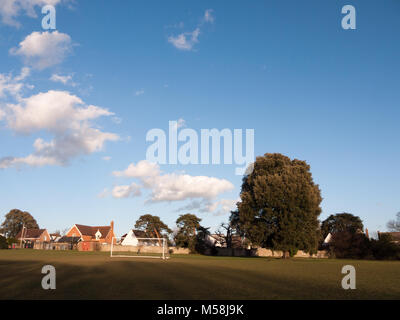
(188, 225)
(341, 222)
(15, 220)
(394, 225)
(152, 225)
(280, 205)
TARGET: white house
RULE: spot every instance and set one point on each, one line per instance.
(328, 239)
(131, 239)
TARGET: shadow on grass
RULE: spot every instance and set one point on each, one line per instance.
(185, 279)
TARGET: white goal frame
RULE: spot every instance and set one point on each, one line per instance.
(162, 255)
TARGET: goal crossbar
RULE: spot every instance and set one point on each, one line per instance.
(161, 243)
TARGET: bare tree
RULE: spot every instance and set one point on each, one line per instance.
(225, 233)
(394, 225)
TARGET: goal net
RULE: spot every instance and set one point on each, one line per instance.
(139, 248)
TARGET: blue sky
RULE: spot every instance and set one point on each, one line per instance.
(287, 69)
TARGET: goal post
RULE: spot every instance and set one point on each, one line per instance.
(155, 248)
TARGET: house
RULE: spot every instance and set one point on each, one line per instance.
(394, 235)
(131, 239)
(101, 234)
(69, 242)
(55, 237)
(327, 239)
(31, 236)
(219, 241)
(216, 240)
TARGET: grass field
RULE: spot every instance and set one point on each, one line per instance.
(96, 276)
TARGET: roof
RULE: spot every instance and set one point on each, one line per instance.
(395, 235)
(140, 234)
(91, 231)
(31, 233)
(69, 239)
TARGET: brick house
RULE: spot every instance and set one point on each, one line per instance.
(101, 234)
(395, 236)
(31, 236)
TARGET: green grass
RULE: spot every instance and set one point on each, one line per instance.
(93, 275)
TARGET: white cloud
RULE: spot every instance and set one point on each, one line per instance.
(13, 85)
(186, 40)
(174, 187)
(219, 207)
(63, 115)
(56, 111)
(43, 49)
(142, 170)
(208, 16)
(139, 92)
(132, 190)
(107, 158)
(10, 9)
(63, 79)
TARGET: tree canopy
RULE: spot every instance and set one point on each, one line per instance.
(14, 220)
(341, 222)
(280, 205)
(152, 225)
(188, 225)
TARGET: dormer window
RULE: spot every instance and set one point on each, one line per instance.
(98, 235)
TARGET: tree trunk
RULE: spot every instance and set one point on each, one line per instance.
(286, 255)
(158, 236)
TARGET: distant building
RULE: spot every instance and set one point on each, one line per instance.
(102, 234)
(131, 239)
(55, 237)
(394, 235)
(219, 241)
(30, 236)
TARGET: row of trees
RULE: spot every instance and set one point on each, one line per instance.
(279, 208)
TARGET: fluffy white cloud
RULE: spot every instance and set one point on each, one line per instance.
(63, 115)
(43, 49)
(63, 79)
(186, 40)
(10, 9)
(55, 111)
(174, 187)
(143, 169)
(132, 190)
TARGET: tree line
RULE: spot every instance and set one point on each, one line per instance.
(279, 209)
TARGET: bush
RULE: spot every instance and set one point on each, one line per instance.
(349, 245)
(384, 248)
(3, 243)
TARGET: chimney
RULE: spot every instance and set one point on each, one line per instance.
(112, 225)
(366, 233)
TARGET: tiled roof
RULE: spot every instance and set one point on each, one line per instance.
(395, 235)
(91, 231)
(140, 234)
(69, 239)
(31, 233)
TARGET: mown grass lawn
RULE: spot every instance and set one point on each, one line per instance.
(97, 276)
